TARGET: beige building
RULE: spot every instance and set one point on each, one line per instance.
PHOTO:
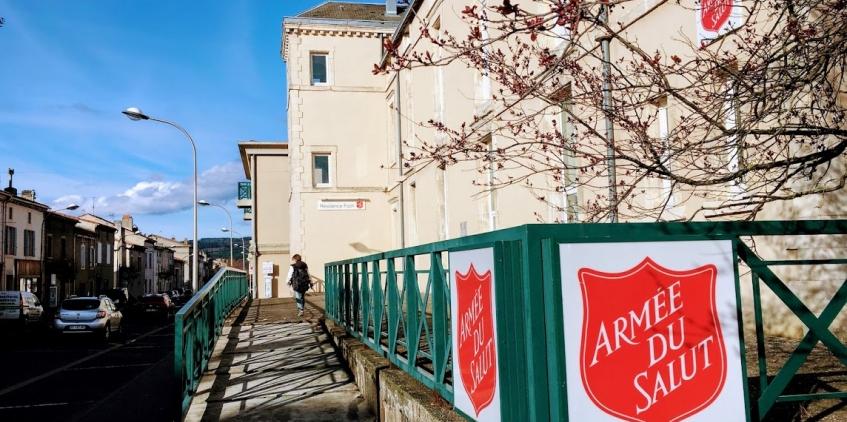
(350, 193)
(22, 226)
(265, 200)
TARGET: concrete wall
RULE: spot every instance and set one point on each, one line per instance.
(389, 392)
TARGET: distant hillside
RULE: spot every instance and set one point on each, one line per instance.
(218, 247)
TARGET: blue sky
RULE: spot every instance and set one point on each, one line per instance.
(67, 69)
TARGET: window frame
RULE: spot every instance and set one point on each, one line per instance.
(29, 243)
(312, 81)
(329, 178)
(10, 241)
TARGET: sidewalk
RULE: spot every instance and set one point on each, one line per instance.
(270, 364)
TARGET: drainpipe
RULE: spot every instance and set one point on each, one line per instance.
(607, 110)
(3, 247)
(253, 183)
(400, 161)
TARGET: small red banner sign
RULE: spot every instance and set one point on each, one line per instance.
(651, 347)
(477, 350)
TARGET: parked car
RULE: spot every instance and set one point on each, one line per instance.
(20, 308)
(92, 315)
(119, 297)
(157, 305)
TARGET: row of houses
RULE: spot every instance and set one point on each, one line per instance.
(56, 255)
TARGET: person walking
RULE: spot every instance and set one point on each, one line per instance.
(300, 282)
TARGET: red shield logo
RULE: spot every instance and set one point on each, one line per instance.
(714, 14)
(477, 351)
(652, 348)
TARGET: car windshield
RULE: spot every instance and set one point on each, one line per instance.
(80, 304)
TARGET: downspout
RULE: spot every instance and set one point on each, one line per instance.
(3, 248)
(254, 230)
(400, 161)
(607, 110)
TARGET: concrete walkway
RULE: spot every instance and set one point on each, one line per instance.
(269, 364)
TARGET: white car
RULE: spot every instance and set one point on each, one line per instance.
(92, 315)
(20, 308)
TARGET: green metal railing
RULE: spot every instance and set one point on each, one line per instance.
(244, 191)
(398, 304)
(198, 324)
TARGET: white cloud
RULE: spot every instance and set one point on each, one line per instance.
(217, 184)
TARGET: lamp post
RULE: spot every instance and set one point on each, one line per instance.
(229, 216)
(243, 254)
(136, 114)
(243, 243)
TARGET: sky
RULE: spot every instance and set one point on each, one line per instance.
(68, 68)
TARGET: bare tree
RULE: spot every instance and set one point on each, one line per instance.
(759, 112)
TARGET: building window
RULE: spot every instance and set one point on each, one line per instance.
(29, 218)
(11, 214)
(63, 248)
(29, 243)
(320, 170)
(11, 246)
(48, 247)
(319, 69)
(99, 253)
(82, 256)
(91, 255)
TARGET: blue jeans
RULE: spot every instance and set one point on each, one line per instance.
(300, 299)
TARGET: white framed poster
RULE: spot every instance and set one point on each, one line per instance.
(717, 17)
(651, 331)
(476, 382)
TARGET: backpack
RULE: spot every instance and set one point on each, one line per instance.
(300, 280)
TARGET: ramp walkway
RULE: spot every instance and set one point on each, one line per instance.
(270, 364)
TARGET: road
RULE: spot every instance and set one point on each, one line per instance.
(43, 378)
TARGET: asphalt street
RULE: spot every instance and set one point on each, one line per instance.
(49, 378)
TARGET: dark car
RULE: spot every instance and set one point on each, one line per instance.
(159, 305)
(119, 297)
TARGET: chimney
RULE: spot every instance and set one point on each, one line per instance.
(11, 190)
(28, 194)
(126, 222)
(391, 7)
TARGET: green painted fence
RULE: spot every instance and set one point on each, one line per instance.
(198, 324)
(398, 303)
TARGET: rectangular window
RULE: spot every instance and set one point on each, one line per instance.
(29, 218)
(91, 255)
(320, 170)
(11, 214)
(48, 247)
(99, 252)
(63, 248)
(83, 259)
(29, 243)
(319, 69)
(11, 245)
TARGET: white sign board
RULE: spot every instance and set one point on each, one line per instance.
(268, 287)
(717, 17)
(476, 381)
(267, 267)
(347, 205)
(651, 331)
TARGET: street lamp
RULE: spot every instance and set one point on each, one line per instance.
(70, 207)
(243, 244)
(207, 204)
(136, 114)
